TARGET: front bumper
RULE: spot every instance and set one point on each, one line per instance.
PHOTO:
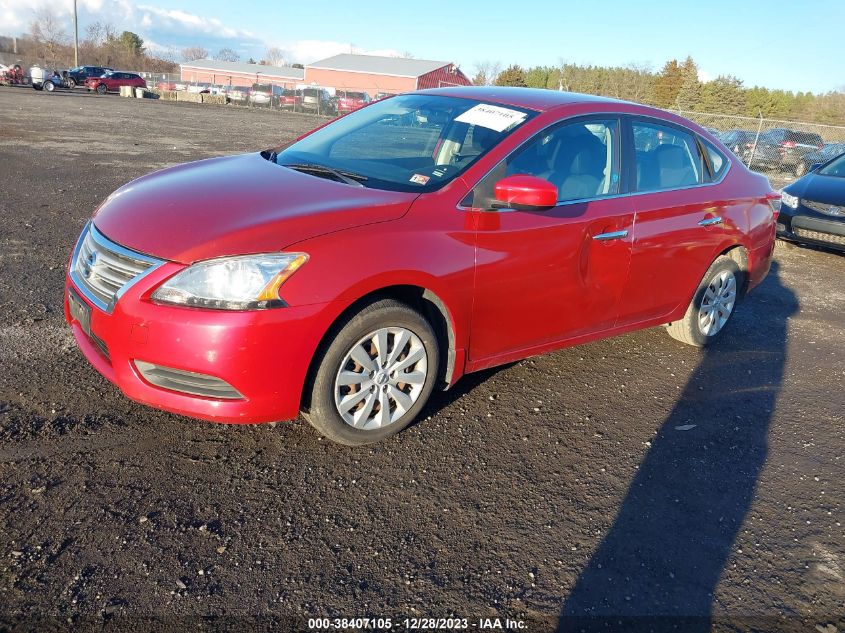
(263, 354)
(809, 227)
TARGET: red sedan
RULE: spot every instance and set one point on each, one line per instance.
(415, 240)
(113, 80)
(346, 102)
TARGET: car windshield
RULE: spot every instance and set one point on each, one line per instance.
(834, 168)
(415, 143)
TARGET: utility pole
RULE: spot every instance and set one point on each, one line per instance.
(75, 36)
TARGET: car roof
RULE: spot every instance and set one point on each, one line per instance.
(538, 99)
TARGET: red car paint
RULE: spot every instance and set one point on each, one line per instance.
(511, 284)
(350, 101)
(114, 80)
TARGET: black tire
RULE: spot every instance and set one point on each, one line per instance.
(49, 86)
(101, 89)
(689, 329)
(323, 413)
(37, 86)
(71, 83)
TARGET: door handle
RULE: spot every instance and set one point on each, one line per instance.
(710, 221)
(613, 235)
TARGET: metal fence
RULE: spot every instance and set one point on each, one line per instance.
(782, 150)
(269, 94)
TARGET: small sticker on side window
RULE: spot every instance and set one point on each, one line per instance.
(492, 117)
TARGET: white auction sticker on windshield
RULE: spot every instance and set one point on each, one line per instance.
(492, 117)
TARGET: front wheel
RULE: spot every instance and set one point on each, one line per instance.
(49, 86)
(101, 89)
(71, 83)
(712, 305)
(375, 375)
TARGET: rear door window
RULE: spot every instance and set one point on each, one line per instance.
(666, 157)
(718, 161)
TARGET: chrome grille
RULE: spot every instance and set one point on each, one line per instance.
(102, 269)
(825, 207)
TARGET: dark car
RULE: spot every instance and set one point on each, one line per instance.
(77, 76)
(812, 209)
(738, 141)
(830, 150)
(781, 148)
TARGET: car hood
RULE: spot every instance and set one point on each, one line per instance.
(236, 205)
(827, 189)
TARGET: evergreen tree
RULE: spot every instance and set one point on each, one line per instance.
(511, 76)
(690, 91)
(668, 84)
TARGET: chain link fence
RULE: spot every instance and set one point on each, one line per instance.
(782, 150)
(269, 94)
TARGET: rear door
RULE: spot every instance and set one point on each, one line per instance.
(678, 223)
(545, 276)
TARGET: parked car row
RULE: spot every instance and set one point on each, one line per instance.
(95, 78)
(780, 149)
(312, 99)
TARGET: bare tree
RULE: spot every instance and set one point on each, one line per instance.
(193, 53)
(486, 73)
(227, 55)
(275, 56)
(47, 31)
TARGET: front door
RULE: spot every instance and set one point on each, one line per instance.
(546, 276)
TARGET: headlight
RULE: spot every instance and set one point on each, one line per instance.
(245, 282)
(789, 200)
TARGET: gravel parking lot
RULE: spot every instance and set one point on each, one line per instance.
(629, 477)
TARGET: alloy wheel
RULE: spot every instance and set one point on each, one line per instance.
(717, 304)
(380, 378)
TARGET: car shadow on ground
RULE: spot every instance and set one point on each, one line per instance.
(658, 565)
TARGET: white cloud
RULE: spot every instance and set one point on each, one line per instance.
(168, 29)
(178, 20)
(704, 76)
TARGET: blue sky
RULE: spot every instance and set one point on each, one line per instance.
(775, 43)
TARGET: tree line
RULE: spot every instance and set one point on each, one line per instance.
(676, 86)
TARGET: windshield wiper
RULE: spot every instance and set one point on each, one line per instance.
(348, 177)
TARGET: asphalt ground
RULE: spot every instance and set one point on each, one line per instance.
(629, 483)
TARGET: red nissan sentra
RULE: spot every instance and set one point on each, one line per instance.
(420, 238)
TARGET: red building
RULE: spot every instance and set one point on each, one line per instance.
(361, 73)
(374, 74)
(222, 73)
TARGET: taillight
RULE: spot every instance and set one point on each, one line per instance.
(774, 200)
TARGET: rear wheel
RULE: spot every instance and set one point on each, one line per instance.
(375, 375)
(712, 305)
(101, 89)
(71, 83)
(49, 86)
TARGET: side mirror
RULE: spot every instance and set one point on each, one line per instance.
(526, 192)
